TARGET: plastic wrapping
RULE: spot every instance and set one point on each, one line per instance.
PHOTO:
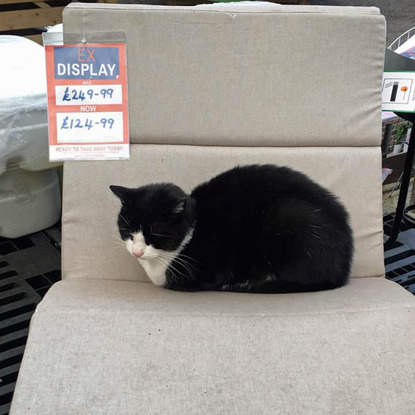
(29, 188)
(23, 105)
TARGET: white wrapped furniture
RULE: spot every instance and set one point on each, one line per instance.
(210, 89)
(30, 197)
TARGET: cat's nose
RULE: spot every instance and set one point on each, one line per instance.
(138, 253)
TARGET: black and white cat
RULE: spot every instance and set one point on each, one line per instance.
(257, 228)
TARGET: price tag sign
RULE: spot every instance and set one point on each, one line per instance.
(398, 91)
(87, 102)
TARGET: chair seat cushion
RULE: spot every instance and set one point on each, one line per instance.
(119, 347)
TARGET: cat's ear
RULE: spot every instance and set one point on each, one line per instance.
(120, 192)
(180, 207)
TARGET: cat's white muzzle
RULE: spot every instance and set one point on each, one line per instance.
(139, 249)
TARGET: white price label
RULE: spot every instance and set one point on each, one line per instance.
(88, 94)
(93, 127)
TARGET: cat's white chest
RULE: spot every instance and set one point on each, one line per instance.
(155, 270)
(154, 261)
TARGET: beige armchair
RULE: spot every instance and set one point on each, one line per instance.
(211, 88)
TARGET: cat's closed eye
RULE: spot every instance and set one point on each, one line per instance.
(160, 235)
(158, 231)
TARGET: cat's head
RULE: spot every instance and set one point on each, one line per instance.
(154, 218)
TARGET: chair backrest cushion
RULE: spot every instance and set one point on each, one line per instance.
(211, 88)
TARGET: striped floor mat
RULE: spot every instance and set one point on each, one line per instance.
(400, 259)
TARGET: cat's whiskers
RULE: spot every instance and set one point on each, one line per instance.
(176, 273)
(187, 257)
(166, 261)
(125, 220)
(159, 260)
(119, 244)
(174, 255)
(118, 241)
(172, 269)
(184, 264)
(316, 235)
(167, 258)
(149, 256)
(191, 268)
(182, 261)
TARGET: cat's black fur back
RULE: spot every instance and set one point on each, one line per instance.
(258, 228)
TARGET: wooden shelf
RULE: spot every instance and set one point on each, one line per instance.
(28, 22)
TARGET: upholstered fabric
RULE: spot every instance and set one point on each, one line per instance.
(296, 76)
(106, 347)
(91, 244)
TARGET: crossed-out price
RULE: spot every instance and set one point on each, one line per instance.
(80, 95)
(88, 94)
